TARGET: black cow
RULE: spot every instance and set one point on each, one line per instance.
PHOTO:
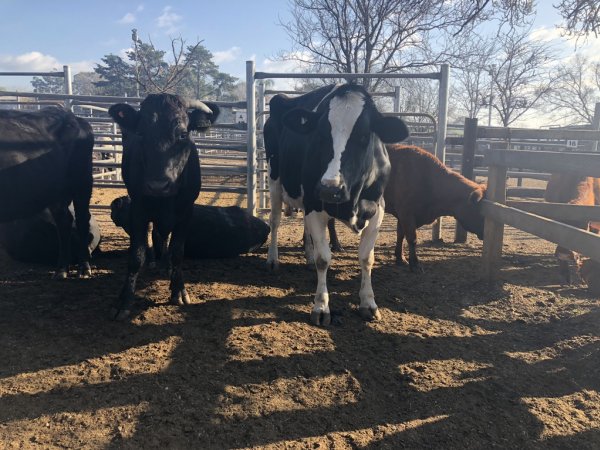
(35, 238)
(161, 170)
(214, 232)
(326, 156)
(46, 162)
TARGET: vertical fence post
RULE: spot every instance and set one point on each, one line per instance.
(251, 138)
(68, 85)
(596, 125)
(440, 148)
(467, 165)
(396, 99)
(493, 233)
(262, 185)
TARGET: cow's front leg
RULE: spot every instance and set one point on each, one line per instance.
(63, 219)
(309, 251)
(366, 255)
(316, 225)
(81, 205)
(276, 196)
(137, 255)
(179, 295)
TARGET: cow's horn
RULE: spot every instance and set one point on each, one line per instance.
(197, 104)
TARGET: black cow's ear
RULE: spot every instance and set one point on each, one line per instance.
(300, 120)
(125, 115)
(390, 129)
(201, 119)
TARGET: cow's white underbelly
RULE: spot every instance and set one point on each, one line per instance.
(296, 203)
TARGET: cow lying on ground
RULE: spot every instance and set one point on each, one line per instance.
(326, 156)
(420, 190)
(576, 190)
(214, 232)
(46, 162)
(161, 171)
(35, 239)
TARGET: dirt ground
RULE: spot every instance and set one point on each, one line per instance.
(454, 363)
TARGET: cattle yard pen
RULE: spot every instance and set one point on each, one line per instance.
(229, 152)
(540, 219)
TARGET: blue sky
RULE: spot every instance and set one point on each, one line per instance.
(50, 34)
(39, 36)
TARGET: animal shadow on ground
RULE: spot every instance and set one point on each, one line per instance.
(450, 364)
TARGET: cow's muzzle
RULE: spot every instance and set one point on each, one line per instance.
(333, 193)
(159, 188)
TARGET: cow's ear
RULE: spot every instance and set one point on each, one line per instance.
(300, 120)
(390, 129)
(125, 115)
(201, 119)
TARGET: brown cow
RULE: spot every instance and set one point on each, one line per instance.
(420, 190)
(573, 189)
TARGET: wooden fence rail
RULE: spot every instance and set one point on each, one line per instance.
(497, 214)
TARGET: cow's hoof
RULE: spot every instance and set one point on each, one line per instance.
(369, 313)
(85, 271)
(119, 314)
(180, 298)
(402, 262)
(273, 266)
(60, 274)
(337, 248)
(320, 318)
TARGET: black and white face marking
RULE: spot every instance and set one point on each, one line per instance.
(344, 111)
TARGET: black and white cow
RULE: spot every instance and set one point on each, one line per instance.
(46, 162)
(161, 170)
(327, 156)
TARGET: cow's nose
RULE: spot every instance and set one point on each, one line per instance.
(333, 194)
(158, 186)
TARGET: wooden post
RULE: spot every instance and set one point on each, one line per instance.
(467, 165)
(493, 233)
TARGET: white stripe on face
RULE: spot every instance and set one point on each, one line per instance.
(343, 114)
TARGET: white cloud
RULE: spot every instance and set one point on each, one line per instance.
(127, 19)
(82, 66)
(29, 62)
(130, 17)
(286, 66)
(228, 55)
(169, 20)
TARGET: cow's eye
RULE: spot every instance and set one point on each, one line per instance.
(183, 135)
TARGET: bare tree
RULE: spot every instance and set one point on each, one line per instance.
(581, 17)
(372, 36)
(156, 75)
(471, 75)
(576, 90)
(521, 74)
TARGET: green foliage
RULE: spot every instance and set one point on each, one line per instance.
(191, 73)
(48, 85)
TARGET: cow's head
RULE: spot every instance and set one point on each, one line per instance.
(468, 211)
(345, 128)
(161, 129)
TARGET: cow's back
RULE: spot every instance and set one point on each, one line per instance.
(410, 189)
(42, 155)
